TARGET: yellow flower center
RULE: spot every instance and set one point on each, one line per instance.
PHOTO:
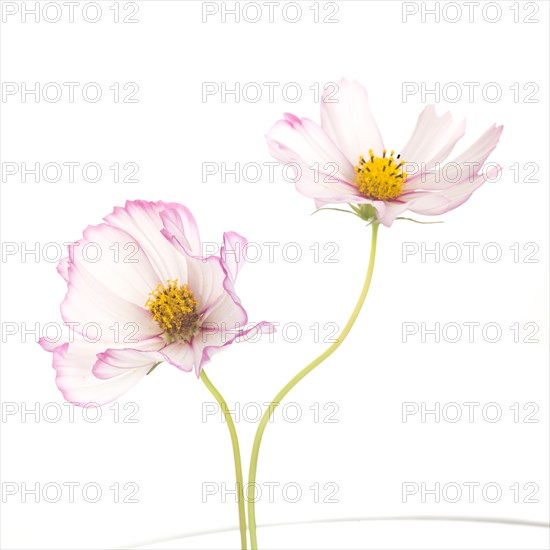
(174, 308)
(380, 178)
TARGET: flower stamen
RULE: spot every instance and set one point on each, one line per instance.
(380, 178)
(174, 308)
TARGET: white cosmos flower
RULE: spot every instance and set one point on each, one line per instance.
(140, 280)
(344, 160)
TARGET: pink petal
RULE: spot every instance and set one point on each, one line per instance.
(142, 220)
(349, 121)
(426, 202)
(63, 268)
(180, 223)
(208, 343)
(463, 168)
(432, 140)
(50, 345)
(73, 365)
(479, 151)
(312, 183)
(179, 354)
(311, 143)
(392, 210)
(122, 266)
(453, 197)
(434, 203)
(232, 254)
(206, 277)
(226, 312)
(112, 363)
(92, 305)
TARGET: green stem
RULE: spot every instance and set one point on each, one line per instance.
(304, 372)
(236, 455)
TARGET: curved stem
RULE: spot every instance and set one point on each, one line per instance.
(236, 455)
(304, 372)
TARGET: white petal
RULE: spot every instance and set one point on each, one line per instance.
(208, 343)
(116, 362)
(392, 210)
(114, 258)
(311, 143)
(73, 364)
(225, 313)
(142, 220)
(463, 168)
(94, 307)
(233, 254)
(454, 196)
(206, 277)
(433, 139)
(179, 354)
(179, 222)
(314, 183)
(349, 121)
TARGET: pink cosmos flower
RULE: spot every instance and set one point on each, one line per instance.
(344, 159)
(140, 282)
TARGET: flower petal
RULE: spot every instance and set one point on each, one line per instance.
(205, 278)
(93, 308)
(432, 140)
(114, 258)
(434, 203)
(63, 268)
(392, 210)
(348, 121)
(112, 363)
(179, 354)
(232, 254)
(208, 343)
(463, 168)
(180, 223)
(73, 364)
(310, 142)
(225, 312)
(143, 221)
(450, 199)
(314, 183)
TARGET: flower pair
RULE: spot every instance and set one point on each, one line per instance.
(180, 307)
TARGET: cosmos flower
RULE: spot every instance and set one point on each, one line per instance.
(344, 159)
(140, 282)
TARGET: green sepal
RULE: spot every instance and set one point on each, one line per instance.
(418, 221)
(366, 212)
(154, 367)
(335, 209)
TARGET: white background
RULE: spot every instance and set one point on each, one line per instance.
(169, 132)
